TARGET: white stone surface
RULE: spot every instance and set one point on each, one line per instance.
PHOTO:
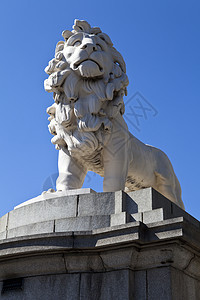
(42, 211)
(88, 79)
(52, 194)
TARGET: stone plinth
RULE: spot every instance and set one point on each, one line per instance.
(100, 246)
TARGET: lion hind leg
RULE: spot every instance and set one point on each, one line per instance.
(115, 173)
(171, 190)
(113, 184)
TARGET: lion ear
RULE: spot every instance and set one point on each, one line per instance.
(117, 71)
(118, 59)
(66, 34)
(80, 25)
(59, 46)
(105, 38)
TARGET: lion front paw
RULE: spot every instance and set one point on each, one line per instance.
(49, 191)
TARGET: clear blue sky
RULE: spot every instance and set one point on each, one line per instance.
(160, 42)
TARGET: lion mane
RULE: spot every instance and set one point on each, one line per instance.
(83, 123)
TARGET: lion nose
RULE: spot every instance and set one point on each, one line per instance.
(89, 47)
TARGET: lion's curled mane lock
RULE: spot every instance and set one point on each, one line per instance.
(88, 79)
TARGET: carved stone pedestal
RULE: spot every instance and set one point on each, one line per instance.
(99, 246)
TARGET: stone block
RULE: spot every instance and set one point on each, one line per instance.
(84, 263)
(155, 257)
(58, 194)
(194, 266)
(82, 223)
(3, 235)
(110, 285)
(50, 287)
(140, 282)
(63, 207)
(145, 205)
(3, 223)
(152, 216)
(151, 205)
(96, 204)
(39, 243)
(131, 285)
(120, 202)
(139, 201)
(120, 259)
(31, 229)
(178, 212)
(109, 236)
(123, 261)
(132, 199)
(166, 229)
(119, 234)
(36, 265)
(120, 218)
(146, 200)
(181, 257)
(159, 284)
(184, 287)
(137, 217)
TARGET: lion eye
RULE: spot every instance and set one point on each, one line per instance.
(99, 47)
(77, 43)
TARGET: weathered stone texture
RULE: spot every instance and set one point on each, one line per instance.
(101, 246)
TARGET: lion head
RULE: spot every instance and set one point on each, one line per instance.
(88, 79)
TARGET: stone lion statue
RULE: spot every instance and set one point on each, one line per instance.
(88, 79)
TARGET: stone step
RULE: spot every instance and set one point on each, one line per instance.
(88, 212)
